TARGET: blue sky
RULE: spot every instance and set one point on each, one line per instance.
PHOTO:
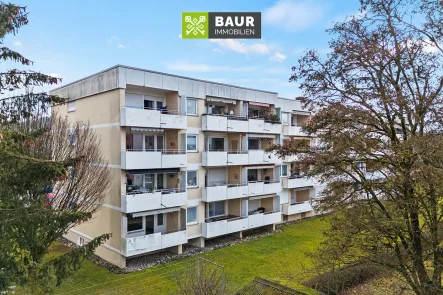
(73, 39)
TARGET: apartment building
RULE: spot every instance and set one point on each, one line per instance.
(188, 160)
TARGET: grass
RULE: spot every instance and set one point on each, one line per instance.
(269, 257)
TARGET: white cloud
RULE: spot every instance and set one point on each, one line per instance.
(278, 57)
(186, 66)
(242, 47)
(111, 39)
(180, 36)
(293, 15)
(217, 50)
(120, 46)
(17, 43)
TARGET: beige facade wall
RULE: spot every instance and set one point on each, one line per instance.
(268, 204)
(103, 108)
(234, 174)
(234, 207)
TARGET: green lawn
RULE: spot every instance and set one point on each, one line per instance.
(269, 257)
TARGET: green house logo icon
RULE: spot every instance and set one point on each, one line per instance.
(194, 25)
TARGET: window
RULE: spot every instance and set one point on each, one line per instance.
(284, 170)
(81, 241)
(216, 209)
(71, 106)
(160, 219)
(135, 223)
(216, 144)
(192, 178)
(254, 144)
(191, 106)
(285, 118)
(191, 143)
(191, 215)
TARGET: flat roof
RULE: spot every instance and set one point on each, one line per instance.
(161, 73)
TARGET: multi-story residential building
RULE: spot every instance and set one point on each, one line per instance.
(188, 160)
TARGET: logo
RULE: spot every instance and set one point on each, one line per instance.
(221, 25)
(194, 25)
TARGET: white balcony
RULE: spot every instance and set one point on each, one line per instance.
(291, 182)
(271, 187)
(238, 158)
(272, 128)
(238, 224)
(255, 188)
(271, 158)
(215, 158)
(292, 131)
(174, 197)
(145, 200)
(291, 158)
(271, 218)
(141, 202)
(238, 125)
(256, 156)
(214, 229)
(236, 191)
(262, 219)
(256, 125)
(214, 193)
(153, 242)
(255, 220)
(131, 116)
(153, 159)
(297, 208)
(214, 123)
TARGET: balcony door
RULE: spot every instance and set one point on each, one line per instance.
(154, 142)
(216, 144)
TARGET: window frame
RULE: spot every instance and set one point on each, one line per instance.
(281, 170)
(188, 178)
(136, 230)
(195, 107)
(287, 118)
(196, 215)
(224, 209)
(196, 143)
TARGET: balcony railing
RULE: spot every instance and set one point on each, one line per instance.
(164, 191)
(163, 151)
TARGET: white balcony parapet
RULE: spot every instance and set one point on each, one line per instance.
(271, 158)
(256, 156)
(215, 228)
(296, 208)
(238, 157)
(139, 159)
(236, 191)
(144, 117)
(292, 131)
(237, 124)
(214, 158)
(212, 193)
(262, 219)
(220, 192)
(145, 200)
(271, 187)
(153, 242)
(297, 181)
(255, 188)
(256, 125)
(272, 127)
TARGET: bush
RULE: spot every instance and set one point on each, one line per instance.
(335, 282)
